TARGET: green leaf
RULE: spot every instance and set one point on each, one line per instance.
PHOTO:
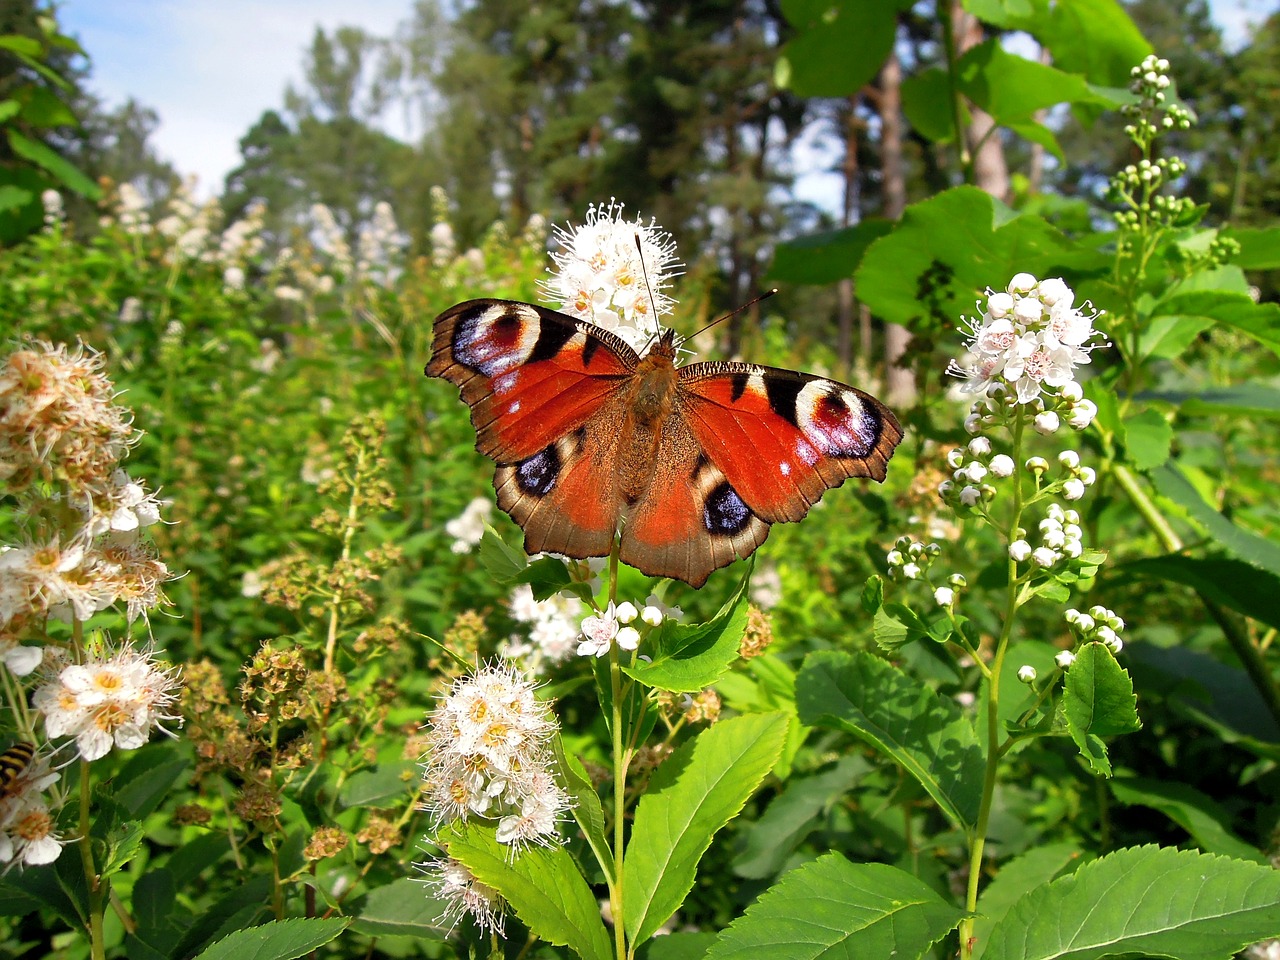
(543, 886)
(1012, 88)
(1202, 308)
(374, 788)
(700, 788)
(1259, 247)
(44, 109)
(12, 197)
(793, 815)
(1244, 400)
(1241, 543)
(946, 250)
(141, 786)
(677, 946)
(930, 737)
(873, 594)
(833, 908)
(1009, 14)
(1095, 38)
(1148, 437)
(895, 625)
(501, 562)
(1033, 869)
(1198, 814)
(548, 576)
(23, 46)
(9, 109)
(691, 657)
(837, 48)
(587, 809)
(826, 257)
(123, 843)
(926, 102)
(403, 907)
(51, 161)
(278, 940)
(1098, 702)
(1232, 583)
(1143, 902)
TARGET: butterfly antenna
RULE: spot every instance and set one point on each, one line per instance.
(733, 313)
(653, 303)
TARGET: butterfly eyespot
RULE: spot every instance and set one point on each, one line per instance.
(724, 512)
(537, 475)
(493, 341)
(836, 420)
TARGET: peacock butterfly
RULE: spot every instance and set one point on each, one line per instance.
(693, 462)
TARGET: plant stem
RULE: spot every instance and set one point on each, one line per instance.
(95, 884)
(621, 760)
(978, 835)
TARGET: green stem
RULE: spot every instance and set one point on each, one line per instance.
(96, 885)
(978, 835)
(621, 760)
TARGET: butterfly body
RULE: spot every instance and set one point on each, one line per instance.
(692, 463)
(12, 763)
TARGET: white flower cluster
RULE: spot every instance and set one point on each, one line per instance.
(489, 755)
(467, 528)
(28, 833)
(1060, 536)
(59, 422)
(380, 245)
(115, 697)
(1030, 338)
(599, 273)
(613, 625)
(451, 881)
(912, 559)
(553, 628)
(1099, 625)
(329, 238)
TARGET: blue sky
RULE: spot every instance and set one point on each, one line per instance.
(211, 67)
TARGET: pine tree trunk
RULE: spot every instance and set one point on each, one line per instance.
(900, 387)
(844, 289)
(989, 170)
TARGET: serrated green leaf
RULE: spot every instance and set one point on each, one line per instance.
(696, 791)
(1144, 902)
(543, 886)
(1228, 307)
(546, 577)
(1035, 868)
(1095, 38)
(1098, 701)
(1232, 583)
(792, 815)
(691, 657)
(1012, 88)
(122, 846)
(1246, 546)
(833, 908)
(1009, 14)
(278, 940)
(946, 249)
(930, 737)
(501, 562)
(895, 625)
(587, 809)
(677, 946)
(873, 594)
(403, 907)
(1147, 438)
(826, 257)
(1197, 813)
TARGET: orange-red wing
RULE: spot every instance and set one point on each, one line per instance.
(689, 521)
(565, 496)
(783, 438)
(530, 375)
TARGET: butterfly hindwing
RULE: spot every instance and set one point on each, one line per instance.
(783, 438)
(530, 375)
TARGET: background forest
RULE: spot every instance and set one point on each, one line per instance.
(307, 513)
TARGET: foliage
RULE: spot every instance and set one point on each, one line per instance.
(913, 724)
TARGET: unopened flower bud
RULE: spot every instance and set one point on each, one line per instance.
(1064, 659)
(1001, 465)
(1027, 673)
(1020, 550)
(1073, 489)
(945, 596)
(1069, 459)
(1037, 465)
(1046, 423)
(626, 612)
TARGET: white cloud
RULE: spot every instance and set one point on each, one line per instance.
(209, 68)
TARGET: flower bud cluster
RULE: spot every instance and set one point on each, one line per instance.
(910, 559)
(1099, 625)
(1150, 83)
(614, 625)
(1060, 537)
(489, 755)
